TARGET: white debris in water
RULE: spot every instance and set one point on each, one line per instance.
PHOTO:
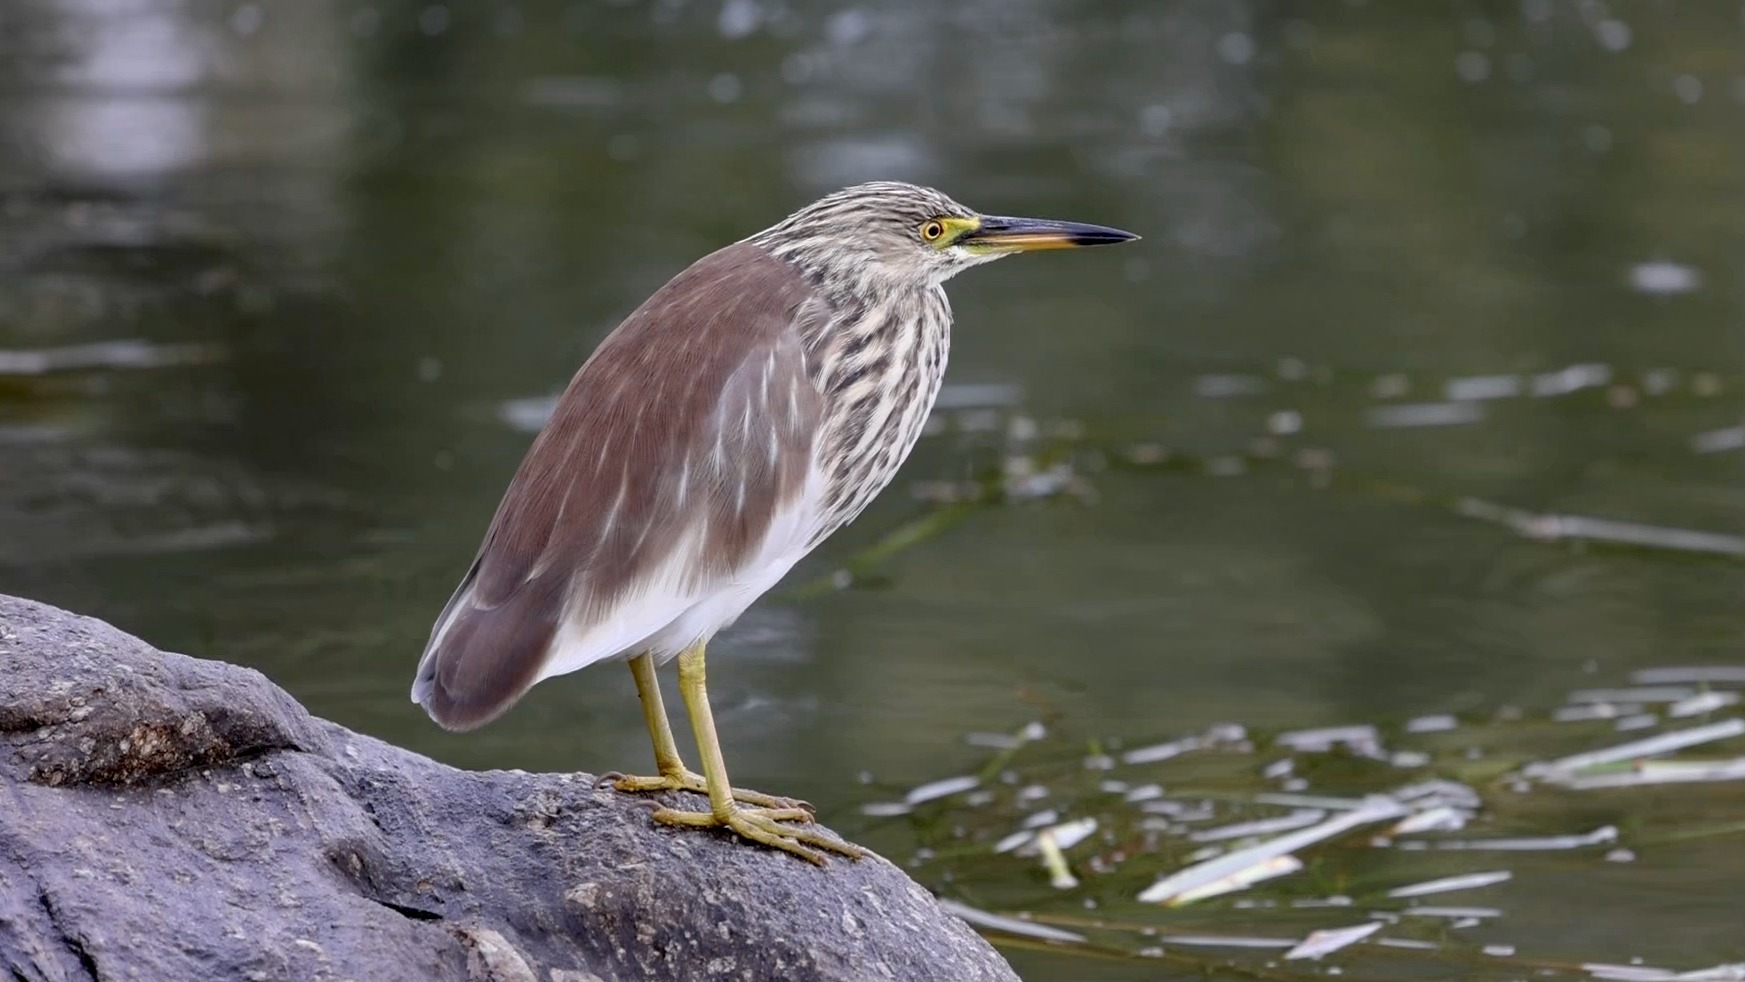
(1665, 278)
(1410, 944)
(1662, 772)
(993, 741)
(527, 415)
(1069, 834)
(1182, 812)
(1703, 702)
(1264, 826)
(1363, 739)
(1688, 88)
(1236, 48)
(1009, 925)
(1659, 381)
(725, 88)
(848, 27)
(1424, 414)
(941, 788)
(1226, 733)
(1431, 724)
(1321, 943)
(1720, 973)
(1483, 387)
(1536, 843)
(1052, 844)
(1311, 801)
(1472, 66)
(1243, 879)
(1169, 888)
(1613, 34)
(1443, 818)
(1589, 711)
(1718, 441)
(886, 809)
(1640, 721)
(1571, 379)
(1156, 119)
(1452, 913)
(1628, 973)
(1160, 751)
(1225, 941)
(1554, 528)
(1437, 791)
(102, 355)
(1449, 884)
(738, 19)
(1565, 767)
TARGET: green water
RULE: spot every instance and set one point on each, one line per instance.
(363, 230)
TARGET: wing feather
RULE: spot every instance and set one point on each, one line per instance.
(652, 485)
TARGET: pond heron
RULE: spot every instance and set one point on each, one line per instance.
(748, 409)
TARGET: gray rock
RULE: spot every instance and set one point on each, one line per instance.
(165, 817)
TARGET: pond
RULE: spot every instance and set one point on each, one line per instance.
(1424, 392)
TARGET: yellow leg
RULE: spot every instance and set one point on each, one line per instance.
(766, 825)
(666, 749)
(674, 775)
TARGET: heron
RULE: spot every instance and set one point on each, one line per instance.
(748, 409)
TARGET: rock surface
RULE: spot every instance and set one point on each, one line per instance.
(164, 817)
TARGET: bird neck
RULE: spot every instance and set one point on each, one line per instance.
(843, 269)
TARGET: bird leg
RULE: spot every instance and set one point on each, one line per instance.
(768, 825)
(674, 775)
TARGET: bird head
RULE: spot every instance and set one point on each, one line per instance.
(889, 234)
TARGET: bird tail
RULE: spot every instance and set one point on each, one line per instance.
(482, 657)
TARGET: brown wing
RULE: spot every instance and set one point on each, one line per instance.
(692, 424)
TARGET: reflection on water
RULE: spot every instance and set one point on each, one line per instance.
(1417, 395)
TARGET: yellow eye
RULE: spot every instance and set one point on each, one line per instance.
(931, 231)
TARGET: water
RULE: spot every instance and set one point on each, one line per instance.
(350, 234)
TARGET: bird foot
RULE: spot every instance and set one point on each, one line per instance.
(767, 826)
(684, 780)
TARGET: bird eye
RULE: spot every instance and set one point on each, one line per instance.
(931, 231)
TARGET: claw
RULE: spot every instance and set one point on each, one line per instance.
(766, 826)
(694, 782)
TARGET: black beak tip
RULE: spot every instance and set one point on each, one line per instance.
(1096, 235)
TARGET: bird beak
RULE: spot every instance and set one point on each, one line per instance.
(999, 236)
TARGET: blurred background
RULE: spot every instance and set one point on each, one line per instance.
(1424, 391)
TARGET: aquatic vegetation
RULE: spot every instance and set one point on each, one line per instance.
(1385, 850)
